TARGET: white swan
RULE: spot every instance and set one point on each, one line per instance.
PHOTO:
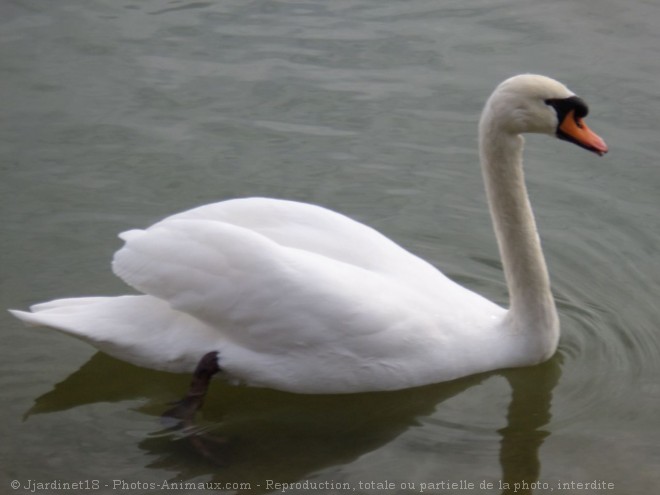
(295, 297)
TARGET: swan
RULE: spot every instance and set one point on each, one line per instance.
(295, 297)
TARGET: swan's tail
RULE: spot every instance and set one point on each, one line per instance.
(141, 330)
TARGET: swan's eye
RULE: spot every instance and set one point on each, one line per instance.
(581, 109)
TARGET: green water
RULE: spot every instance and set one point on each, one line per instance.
(116, 114)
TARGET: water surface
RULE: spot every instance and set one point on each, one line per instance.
(116, 114)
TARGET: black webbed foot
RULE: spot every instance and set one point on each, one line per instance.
(184, 411)
(182, 415)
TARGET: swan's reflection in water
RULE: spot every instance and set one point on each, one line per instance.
(286, 437)
(529, 412)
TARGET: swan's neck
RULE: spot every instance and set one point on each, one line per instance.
(532, 309)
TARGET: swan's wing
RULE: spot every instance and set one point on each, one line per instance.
(268, 263)
(318, 230)
(255, 289)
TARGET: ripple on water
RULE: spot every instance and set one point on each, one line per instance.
(600, 362)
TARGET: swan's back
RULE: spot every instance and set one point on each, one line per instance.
(316, 230)
(280, 279)
(253, 240)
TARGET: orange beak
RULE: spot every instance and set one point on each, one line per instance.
(575, 130)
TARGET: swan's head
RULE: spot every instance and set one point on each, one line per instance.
(539, 104)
